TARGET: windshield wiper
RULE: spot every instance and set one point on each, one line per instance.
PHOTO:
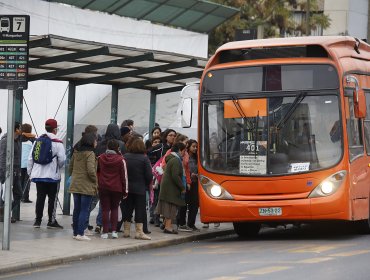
(241, 112)
(299, 98)
(238, 107)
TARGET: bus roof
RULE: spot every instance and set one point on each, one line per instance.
(334, 47)
(325, 41)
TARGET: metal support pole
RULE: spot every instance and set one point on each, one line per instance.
(114, 105)
(152, 112)
(19, 106)
(18, 116)
(9, 169)
(69, 144)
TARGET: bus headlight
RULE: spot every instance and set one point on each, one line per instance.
(213, 189)
(329, 186)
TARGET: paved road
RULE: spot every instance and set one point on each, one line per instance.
(309, 252)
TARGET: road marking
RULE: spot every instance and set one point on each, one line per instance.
(313, 249)
(266, 270)
(315, 260)
(211, 246)
(227, 278)
(350, 253)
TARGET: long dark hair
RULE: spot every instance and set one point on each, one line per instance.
(191, 142)
(165, 134)
(87, 142)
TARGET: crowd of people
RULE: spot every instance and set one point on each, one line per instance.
(123, 173)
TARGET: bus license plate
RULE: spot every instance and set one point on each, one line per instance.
(271, 211)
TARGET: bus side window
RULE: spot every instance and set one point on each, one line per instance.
(367, 123)
(354, 131)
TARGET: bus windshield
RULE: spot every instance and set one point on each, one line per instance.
(280, 133)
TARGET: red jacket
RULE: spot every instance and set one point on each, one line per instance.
(112, 173)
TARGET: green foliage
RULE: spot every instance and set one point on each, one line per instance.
(274, 15)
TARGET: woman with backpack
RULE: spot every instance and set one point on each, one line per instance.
(172, 187)
(155, 154)
(84, 183)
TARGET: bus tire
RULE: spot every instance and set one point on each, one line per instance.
(363, 226)
(246, 229)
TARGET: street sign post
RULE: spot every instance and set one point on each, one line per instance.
(14, 37)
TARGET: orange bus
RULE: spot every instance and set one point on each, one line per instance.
(284, 134)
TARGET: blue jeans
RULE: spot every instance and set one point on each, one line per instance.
(99, 218)
(80, 212)
(94, 202)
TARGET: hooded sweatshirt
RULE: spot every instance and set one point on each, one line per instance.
(48, 172)
(112, 132)
(112, 173)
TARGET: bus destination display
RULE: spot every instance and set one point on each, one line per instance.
(14, 36)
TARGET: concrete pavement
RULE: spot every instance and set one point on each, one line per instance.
(35, 248)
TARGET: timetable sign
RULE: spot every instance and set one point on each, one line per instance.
(14, 36)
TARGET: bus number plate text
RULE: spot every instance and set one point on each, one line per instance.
(271, 211)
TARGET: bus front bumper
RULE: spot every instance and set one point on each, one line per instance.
(335, 207)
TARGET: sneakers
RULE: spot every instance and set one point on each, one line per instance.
(82, 238)
(114, 234)
(88, 232)
(36, 224)
(194, 228)
(184, 228)
(90, 227)
(97, 229)
(104, 236)
(54, 225)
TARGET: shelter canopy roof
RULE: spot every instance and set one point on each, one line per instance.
(54, 57)
(195, 15)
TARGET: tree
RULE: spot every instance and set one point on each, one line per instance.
(275, 17)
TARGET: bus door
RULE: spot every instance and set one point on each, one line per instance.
(359, 163)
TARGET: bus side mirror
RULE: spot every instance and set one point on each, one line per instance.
(359, 103)
(359, 100)
(186, 112)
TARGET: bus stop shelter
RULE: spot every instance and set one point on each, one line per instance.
(82, 62)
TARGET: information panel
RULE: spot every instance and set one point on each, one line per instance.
(14, 36)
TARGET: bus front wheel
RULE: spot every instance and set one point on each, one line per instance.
(364, 225)
(247, 229)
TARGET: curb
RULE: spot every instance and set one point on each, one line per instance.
(117, 251)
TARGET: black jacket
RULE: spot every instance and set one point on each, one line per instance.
(139, 173)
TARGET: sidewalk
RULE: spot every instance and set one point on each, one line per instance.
(34, 248)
